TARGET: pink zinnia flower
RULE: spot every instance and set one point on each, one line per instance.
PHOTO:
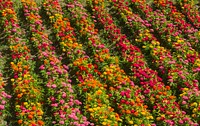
(48, 85)
(122, 93)
(14, 30)
(69, 81)
(53, 86)
(184, 102)
(77, 102)
(52, 99)
(3, 102)
(64, 84)
(71, 103)
(52, 63)
(42, 67)
(2, 107)
(62, 116)
(62, 101)
(70, 90)
(54, 105)
(62, 122)
(8, 96)
(64, 95)
(132, 83)
(146, 91)
(66, 67)
(185, 98)
(15, 76)
(48, 73)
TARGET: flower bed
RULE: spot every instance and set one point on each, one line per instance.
(96, 62)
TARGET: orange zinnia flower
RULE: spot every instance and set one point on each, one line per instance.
(145, 106)
(40, 113)
(22, 114)
(168, 87)
(128, 112)
(30, 116)
(33, 108)
(32, 113)
(164, 93)
(172, 97)
(19, 95)
(19, 121)
(157, 96)
(33, 123)
(136, 113)
(40, 122)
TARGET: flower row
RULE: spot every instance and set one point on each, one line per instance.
(27, 91)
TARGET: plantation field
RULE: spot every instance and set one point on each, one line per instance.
(99, 63)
